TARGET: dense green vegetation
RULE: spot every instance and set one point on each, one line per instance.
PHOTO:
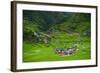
(44, 31)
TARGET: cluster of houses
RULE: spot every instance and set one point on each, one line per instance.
(66, 51)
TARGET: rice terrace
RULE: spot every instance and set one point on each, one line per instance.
(56, 36)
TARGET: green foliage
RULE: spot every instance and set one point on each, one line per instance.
(30, 26)
(37, 52)
(44, 31)
(76, 22)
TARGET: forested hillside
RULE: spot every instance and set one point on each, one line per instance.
(44, 31)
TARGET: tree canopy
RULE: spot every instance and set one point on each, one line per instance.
(49, 22)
